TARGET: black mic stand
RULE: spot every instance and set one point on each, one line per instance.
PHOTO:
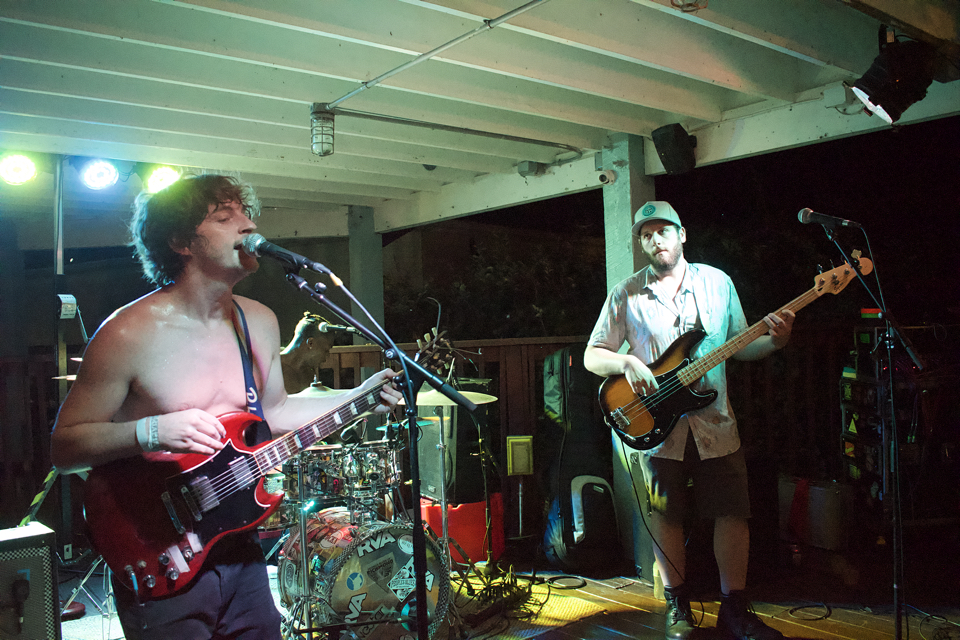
(415, 375)
(890, 439)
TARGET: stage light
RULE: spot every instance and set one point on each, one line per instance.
(162, 177)
(99, 174)
(17, 169)
(321, 129)
(898, 77)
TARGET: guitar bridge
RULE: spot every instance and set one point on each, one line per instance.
(619, 418)
(199, 496)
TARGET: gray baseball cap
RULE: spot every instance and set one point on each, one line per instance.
(654, 210)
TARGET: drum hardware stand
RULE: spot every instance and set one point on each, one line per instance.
(303, 600)
(445, 539)
(489, 567)
(414, 376)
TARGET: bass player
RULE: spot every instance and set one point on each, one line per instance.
(649, 311)
(160, 371)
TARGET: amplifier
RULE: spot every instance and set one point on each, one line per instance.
(28, 573)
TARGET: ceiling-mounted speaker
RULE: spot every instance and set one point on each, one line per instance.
(675, 148)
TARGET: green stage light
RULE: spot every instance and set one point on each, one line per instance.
(162, 177)
(17, 169)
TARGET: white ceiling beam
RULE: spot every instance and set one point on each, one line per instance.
(67, 138)
(241, 82)
(167, 27)
(413, 30)
(804, 123)
(646, 37)
(822, 32)
(121, 123)
(486, 194)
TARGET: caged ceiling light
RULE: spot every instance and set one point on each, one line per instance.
(321, 129)
(15, 169)
(898, 77)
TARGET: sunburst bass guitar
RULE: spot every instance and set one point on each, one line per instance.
(644, 422)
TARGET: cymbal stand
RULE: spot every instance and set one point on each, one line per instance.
(302, 608)
(445, 538)
(442, 449)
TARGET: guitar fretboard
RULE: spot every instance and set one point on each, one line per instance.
(696, 370)
(291, 444)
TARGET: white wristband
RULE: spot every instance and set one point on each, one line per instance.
(148, 433)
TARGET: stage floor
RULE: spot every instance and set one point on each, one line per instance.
(816, 594)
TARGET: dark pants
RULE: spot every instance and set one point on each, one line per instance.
(230, 598)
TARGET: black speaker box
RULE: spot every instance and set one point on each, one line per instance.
(26, 553)
(464, 482)
(675, 148)
(464, 477)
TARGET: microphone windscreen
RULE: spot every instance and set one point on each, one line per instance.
(251, 243)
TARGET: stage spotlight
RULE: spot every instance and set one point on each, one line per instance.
(99, 174)
(898, 77)
(17, 169)
(321, 129)
(162, 177)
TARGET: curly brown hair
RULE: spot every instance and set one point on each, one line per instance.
(169, 218)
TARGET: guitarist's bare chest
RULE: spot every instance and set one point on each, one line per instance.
(186, 369)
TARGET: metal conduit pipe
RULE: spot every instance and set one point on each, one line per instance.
(487, 25)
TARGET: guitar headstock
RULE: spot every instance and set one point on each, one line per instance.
(435, 352)
(835, 280)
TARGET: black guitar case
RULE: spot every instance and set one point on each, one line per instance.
(581, 526)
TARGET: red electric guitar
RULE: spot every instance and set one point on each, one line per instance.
(155, 517)
(644, 422)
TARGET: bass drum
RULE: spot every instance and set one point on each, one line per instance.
(362, 574)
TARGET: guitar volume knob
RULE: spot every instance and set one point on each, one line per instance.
(150, 581)
(188, 554)
(172, 574)
(163, 559)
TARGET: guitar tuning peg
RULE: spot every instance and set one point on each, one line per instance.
(819, 268)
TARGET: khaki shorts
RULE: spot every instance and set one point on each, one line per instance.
(718, 486)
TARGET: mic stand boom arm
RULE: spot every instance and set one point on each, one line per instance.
(415, 375)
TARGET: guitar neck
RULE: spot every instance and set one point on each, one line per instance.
(291, 444)
(696, 370)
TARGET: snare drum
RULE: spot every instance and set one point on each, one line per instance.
(362, 574)
(370, 468)
(322, 476)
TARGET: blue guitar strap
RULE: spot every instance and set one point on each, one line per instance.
(261, 432)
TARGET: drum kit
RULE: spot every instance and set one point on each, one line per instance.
(345, 564)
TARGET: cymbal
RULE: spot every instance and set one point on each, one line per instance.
(317, 392)
(434, 398)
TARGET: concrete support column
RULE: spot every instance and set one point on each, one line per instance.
(366, 269)
(621, 199)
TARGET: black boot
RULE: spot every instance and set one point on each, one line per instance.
(679, 622)
(737, 618)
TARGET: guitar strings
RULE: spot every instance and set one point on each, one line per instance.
(646, 403)
(231, 481)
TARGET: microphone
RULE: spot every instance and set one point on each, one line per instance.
(326, 327)
(256, 245)
(806, 216)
